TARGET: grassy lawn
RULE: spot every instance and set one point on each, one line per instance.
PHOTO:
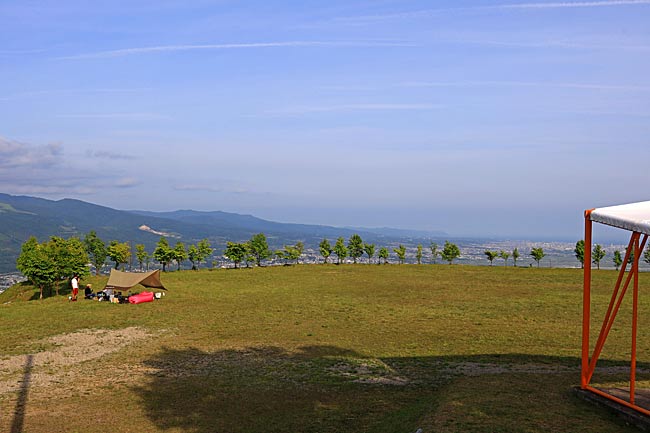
(315, 349)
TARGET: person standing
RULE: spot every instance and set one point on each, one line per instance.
(75, 286)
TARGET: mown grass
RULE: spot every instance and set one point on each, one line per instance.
(332, 349)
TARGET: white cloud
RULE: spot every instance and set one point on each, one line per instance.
(586, 86)
(103, 154)
(210, 188)
(513, 6)
(353, 107)
(14, 154)
(126, 182)
(171, 48)
(143, 116)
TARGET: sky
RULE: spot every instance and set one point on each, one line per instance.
(497, 118)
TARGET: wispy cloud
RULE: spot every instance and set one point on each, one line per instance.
(586, 86)
(210, 188)
(552, 44)
(353, 107)
(38, 93)
(287, 44)
(103, 154)
(578, 4)
(512, 6)
(126, 182)
(141, 116)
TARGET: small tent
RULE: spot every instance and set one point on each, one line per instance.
(125, 280)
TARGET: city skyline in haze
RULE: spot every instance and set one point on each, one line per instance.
(494, 119)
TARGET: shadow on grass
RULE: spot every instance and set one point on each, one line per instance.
(21, 403)
(331, 389)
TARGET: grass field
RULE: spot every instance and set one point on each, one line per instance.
(315, 349)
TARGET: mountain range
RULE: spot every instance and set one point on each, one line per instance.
(24, 216)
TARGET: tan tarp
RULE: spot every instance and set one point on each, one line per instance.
(126, 280)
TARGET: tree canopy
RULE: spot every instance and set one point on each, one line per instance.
(340, 250)
(325, 249)
(355, 247)
(96, 249)
(450, 252)
(259, 248)
(537, 254)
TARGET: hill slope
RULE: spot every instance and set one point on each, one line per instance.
(22, 217)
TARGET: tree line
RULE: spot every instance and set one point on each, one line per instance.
(598, 253)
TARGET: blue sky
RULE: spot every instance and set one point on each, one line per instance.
(493, 118)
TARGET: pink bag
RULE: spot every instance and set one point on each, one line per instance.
(140, 298)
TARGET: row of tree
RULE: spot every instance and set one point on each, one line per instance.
(536, 253)
(120, 253)
(598, 253)
(52, 262)
(356, 248)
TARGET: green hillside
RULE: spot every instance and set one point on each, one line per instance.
(356, 348)
(22, 217)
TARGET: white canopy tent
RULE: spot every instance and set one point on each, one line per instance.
(634, 217)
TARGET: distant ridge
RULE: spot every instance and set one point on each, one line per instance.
(24, 216)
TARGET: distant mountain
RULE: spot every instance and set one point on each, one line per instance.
(22, 217)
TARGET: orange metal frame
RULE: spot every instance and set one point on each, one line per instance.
(636, 245)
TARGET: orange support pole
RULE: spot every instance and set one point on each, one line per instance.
(635, 300)
(586, 301)
(608, 322)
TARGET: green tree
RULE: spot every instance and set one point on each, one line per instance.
(180, 254)
(434, 252)
(383, 254)
(515, 256)
(579, 252)
(119, 252)
(325, 249)
(537, 254)
(291, 252)
(617, 259)
(235, 252)
(450, 252)
(646, 255)
(418, 254)
(204, 251)
(355, 247)
(70, 258)
(49, 263)
(401, 253)
(142, 255)
(505, 256)
(96, 249)
(597, 254)
(340, 250)
(370, 250)
(491, 255)
(259, 248)
(193, 256)
(163, 253)
(37, 265)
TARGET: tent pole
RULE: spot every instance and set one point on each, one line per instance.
(586, 301)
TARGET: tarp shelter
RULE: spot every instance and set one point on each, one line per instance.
(119, 280)
(634, 217)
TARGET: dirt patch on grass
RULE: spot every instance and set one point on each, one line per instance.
(367, 371)
(57, 364)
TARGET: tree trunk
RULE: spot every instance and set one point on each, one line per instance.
(40, 297)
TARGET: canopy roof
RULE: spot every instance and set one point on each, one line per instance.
(126, 280)
(634, 216)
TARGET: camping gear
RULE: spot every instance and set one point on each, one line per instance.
(140, 298)
(126, 280)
